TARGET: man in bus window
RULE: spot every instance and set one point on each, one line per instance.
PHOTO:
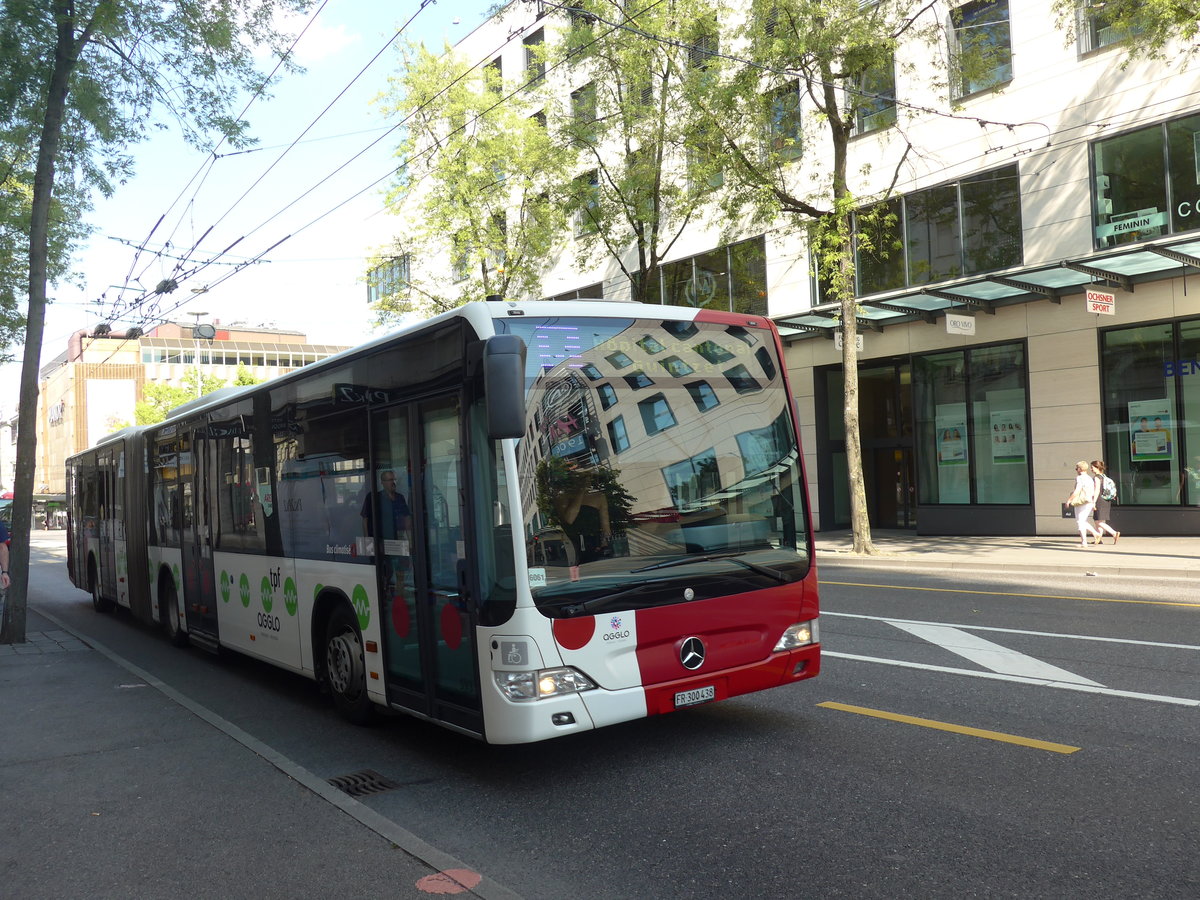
(393, 510)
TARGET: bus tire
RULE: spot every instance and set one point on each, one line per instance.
(345, 667)
(168, 614)
(99, 602)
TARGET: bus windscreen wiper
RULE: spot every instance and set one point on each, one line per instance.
(578, 609)
(732, 557)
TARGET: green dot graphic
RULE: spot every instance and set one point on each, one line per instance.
(266, 595)
(244, 590)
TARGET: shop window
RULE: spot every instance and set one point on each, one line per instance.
(1131, 187)
(971, 426)
(1150, 412)
(879, 244)
(981, 46)
(991, 220)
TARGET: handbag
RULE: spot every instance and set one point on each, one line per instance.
(1078, 498)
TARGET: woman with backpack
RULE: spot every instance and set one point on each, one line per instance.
(1106, 493)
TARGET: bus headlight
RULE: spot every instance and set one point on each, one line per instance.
(542, 684)
(799, 635)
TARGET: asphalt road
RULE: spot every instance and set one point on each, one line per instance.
(986, 739)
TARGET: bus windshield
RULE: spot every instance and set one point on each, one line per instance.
(659, 463)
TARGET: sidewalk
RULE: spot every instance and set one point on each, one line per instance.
(1155, 557)
(117, 786)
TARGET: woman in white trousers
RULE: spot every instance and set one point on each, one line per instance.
(1085, 491)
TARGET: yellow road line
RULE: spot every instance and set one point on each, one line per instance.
(904, 587)
(957, 729)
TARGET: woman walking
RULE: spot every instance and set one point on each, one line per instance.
(1083, 499)
(1106, 493)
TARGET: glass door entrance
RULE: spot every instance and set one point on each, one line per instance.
(886, 435)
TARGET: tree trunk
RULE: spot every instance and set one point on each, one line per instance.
(13, 631)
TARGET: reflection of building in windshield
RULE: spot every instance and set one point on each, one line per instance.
(651, 437)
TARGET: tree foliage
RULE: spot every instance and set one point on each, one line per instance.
(477, 187)
(158, 399)
(81, 81)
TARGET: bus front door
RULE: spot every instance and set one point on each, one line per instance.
(199, 595)
(429, 637)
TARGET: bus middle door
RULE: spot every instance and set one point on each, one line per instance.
(429, 636)
(199, 595)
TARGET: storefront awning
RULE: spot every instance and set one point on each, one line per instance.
(1122, 269)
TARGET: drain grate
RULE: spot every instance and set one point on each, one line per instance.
(363, 784)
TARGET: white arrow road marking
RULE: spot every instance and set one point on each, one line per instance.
(989, 655)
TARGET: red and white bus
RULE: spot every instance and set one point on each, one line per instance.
(519, 520)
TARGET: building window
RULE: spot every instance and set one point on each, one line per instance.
(651, 345)
(535, 58)
(1146, 182)
(591, 372)
(1151, 389)
(784, 123)
(741, 380)
(732, 278)
(587, 203)
(963, 228)
(389, 278)
(713, 352)
(638, 380)
(656, 414)
(981, 46)
(619, 360)
(608, 396)
(972, 431)
(1095, 29)
(583, 113)
(617, 435)
(676, 367)
(875, 104)
(703, 395)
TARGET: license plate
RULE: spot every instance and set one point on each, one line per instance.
(692, 697)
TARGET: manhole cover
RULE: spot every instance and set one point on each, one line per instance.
(364, 783)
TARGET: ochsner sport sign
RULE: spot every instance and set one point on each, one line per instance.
(1101, 302)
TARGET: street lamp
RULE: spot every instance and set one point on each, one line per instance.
(200, 332)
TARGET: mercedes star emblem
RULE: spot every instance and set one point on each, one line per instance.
(691, 654)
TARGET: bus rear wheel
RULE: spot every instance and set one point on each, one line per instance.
(345, 668)
(100, 603)
(168, 615)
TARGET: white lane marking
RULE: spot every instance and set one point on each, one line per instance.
(1087, 689)
(1053, 634)
(990, 655)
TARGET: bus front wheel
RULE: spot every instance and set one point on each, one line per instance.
(345, 667)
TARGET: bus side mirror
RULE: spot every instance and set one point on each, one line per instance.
(504, 384)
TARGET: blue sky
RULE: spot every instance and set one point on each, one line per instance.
(320, 197)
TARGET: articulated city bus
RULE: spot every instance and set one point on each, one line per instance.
(519, 520)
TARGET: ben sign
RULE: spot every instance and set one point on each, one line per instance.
(1101, 302)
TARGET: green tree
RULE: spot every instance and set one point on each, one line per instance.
(646, 167)
(159, 399)
(1147, 26)
(477, 186)
(82, 80)
(816, 70)
(243, 378)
